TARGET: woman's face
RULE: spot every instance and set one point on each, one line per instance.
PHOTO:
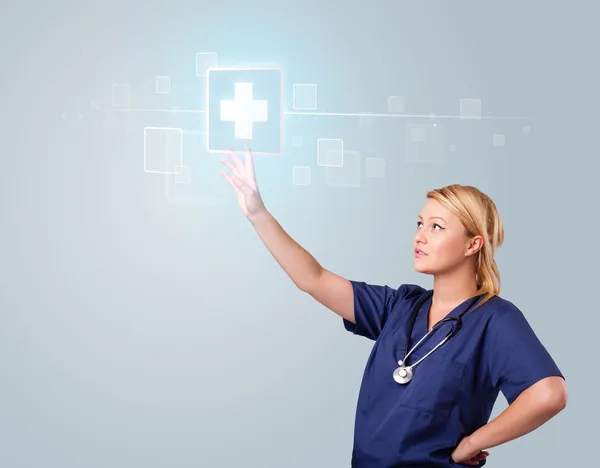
(440, 243)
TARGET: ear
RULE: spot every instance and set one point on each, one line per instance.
(474, 245)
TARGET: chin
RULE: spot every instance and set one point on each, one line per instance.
(422, 269)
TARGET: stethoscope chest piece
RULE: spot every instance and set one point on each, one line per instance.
(403, 374)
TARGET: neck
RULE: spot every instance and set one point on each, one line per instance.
(450, 290)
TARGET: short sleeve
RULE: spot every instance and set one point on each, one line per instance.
(373, 305)
(516, 356)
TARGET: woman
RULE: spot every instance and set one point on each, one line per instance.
(426, 401)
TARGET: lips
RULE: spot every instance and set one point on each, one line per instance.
(419, 252)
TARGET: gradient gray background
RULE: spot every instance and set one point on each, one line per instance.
(142, 332)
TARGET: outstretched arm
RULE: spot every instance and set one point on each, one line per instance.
(331, 290)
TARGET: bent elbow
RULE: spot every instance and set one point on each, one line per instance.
(550, 395)
(557, 396)
(560, 400)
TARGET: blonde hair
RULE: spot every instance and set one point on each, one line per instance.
(479, 215)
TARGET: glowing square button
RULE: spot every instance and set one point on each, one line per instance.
(244, 108)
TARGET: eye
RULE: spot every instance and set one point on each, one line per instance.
(435, 225)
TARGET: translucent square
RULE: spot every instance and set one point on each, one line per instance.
(396, 104)
(301, 175)
(121, 95)
(305, 97)
(430, 148)
(95, 104)
(375, 168)
(499, 140)
(330, 152)
(163, 150)
(470, 109)
(205, 61)
(183, 176)
(417, 134)
(526, 129)
(297, 141)
(163, 84)
(347, 175)
(334, 158)
(366, 120)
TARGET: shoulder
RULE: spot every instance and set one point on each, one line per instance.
(500, 310)
(506, 322)
(407, 294)
(404, 291)
(410, 291)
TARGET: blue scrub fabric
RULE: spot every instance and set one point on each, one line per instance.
(453, 390)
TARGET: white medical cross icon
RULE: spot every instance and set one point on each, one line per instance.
(243, 111)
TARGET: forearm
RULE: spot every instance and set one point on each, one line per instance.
(300, 265)
(529, 411)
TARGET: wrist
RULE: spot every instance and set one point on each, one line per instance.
(259, 216)
(473, 443)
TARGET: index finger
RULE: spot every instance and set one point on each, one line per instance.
(249, 161)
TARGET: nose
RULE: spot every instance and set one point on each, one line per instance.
(420, 237)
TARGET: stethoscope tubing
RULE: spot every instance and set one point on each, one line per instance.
(453, 331)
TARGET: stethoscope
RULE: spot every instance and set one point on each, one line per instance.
(404, 373)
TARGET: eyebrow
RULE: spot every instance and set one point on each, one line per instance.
(434, 217)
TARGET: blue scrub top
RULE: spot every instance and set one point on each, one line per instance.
(453, 390)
